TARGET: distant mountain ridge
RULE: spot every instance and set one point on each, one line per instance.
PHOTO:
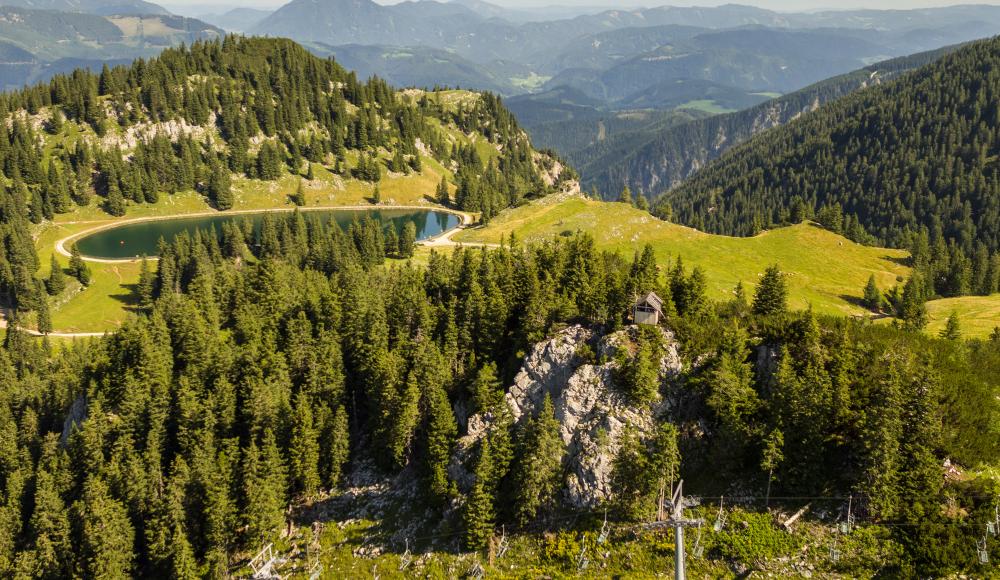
(101, 7)
(660, 160)
(40, 43)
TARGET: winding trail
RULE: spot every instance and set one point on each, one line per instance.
(32, 332)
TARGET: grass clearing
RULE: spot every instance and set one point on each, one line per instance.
(824, 270)
(978, 315)
(706, 105)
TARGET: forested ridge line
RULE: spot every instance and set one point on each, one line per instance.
(656, 161)
(195, 117)
(909, 164)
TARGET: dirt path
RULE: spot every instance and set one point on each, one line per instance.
(3, 325)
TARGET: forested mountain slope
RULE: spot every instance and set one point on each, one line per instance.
(293, 384)
(254, 110)
(653, 159)
(911, 163)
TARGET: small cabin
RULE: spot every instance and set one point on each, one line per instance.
(648, 309)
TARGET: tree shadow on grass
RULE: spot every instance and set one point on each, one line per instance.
(900, 261)
(129, 300)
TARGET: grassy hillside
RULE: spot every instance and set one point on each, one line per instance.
(825, 270)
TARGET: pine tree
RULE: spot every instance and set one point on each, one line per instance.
(639, 377)
(443, 197)
(873, 296)
(304, 448)
(220, 188)
(299, 197)
(641, 202)
(408, 241)
(912, 307)
(145, 287)
(339, 440)
(952, 329)
(542, 449)
(106, 534)
(626, 195)
(56, 281)
(114, 204)
(478, 514)
(771, 296)
(78, 268)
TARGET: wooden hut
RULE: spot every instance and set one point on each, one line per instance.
(648, 309)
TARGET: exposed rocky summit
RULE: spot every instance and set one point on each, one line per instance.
(592, 412)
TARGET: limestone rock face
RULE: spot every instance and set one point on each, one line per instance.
(592, 413)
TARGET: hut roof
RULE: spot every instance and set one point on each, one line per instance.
(652, 300)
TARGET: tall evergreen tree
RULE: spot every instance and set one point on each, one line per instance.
(56, 282)
(771, 296)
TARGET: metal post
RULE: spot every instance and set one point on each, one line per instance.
(679, 553)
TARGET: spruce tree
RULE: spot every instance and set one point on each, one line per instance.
(485, 389)
(952, 329)
(78, 268)
(771, 458)
(263, 504)
(912, 307)
(145, 287)
(872, 295)
(220, 188)
(114, 204)
(304, 448)
(771, 296)
(107, 537)
(339, 440)
(56, 282)
(639, 375)
(478, 514)
(443, 197)
(52, 550)
(441, 432)
(626, 195)
(408, 240)
(299, 197)
(538, 474)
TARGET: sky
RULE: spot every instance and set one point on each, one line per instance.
(784, 5)
(780, 5)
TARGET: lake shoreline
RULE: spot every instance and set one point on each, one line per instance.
(465, 219)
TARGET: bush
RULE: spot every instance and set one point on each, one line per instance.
(749, 538)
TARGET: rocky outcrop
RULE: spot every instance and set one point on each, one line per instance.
(576, 369)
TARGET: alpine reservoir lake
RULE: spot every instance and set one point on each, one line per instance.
(138, 239)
